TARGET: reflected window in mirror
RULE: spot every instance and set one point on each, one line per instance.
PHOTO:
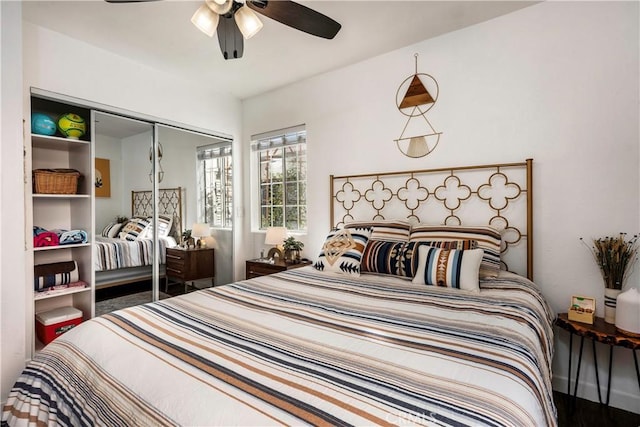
(215, 185)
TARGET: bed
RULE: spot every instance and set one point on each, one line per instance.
(319, 347)
(119, 260)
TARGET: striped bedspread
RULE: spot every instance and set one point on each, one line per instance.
(112, 254)
(303, 347)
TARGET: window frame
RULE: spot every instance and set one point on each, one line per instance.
(284, 143)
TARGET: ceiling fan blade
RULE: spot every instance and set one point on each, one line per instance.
(230, 38)
(297, 16)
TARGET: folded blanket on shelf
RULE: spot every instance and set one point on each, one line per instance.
(46, 238)
(72, 236)
(55, 274)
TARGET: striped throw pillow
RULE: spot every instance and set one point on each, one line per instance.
(450, 268)
(111, 230)
(488, 239)
(391, 230)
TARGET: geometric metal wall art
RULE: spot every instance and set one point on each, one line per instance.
(414, 100)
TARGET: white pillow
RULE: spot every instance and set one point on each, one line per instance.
(450, 268)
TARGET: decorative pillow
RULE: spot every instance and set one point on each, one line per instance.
(111, 230)
(342, 250)
(391, 230)
(460, 245)
(164, 227)
(132, 229)
(448, 267)
(393, 258)
(488, 239)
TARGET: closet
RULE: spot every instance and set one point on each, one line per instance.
(142, 154)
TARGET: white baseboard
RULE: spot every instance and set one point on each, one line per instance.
(586, 390)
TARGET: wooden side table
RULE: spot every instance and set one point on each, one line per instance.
(185, 265)
(602, 332)
(257, 267)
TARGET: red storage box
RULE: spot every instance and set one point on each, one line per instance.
(53, 323)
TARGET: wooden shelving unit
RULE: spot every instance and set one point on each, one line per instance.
(61, 211)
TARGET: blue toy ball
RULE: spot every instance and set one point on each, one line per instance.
(42, 124)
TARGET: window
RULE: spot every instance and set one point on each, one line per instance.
(215, 190)
(282, 178)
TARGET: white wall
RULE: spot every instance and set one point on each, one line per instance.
(107, 208)
(557, 81)
(13, 291)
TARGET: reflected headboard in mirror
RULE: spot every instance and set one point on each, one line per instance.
(170, 202)
(498, 195)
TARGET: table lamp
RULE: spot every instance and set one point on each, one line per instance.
(275, 236)
(201, 231)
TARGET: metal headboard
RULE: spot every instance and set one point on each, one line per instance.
(169, 203)
(499, 195)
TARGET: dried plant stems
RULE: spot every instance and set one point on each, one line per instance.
(615, 256)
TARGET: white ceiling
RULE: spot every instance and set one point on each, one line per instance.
(160, 35)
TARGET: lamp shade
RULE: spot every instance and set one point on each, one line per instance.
(275, 235)
(211, 242)
(221, 7)
(205, 20)
(200, 230)
(248, 22)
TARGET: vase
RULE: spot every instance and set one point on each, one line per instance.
(610, 299)
(628, 312)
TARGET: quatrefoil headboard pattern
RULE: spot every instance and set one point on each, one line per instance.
(498, 195)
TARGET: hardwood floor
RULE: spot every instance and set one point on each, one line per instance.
(591, 414)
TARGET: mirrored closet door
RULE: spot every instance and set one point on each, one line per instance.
(169, 207)
(124, 212)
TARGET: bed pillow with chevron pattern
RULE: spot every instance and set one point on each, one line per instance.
(342, 251)
(450, 268)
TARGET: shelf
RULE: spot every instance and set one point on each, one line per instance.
(57, 143)
(60, 196)
(39, 296)
(53, 248)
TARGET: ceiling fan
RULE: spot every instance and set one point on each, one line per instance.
(236, 20)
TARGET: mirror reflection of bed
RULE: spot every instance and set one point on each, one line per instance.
(123, 255)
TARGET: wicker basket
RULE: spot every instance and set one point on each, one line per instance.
(55, 181)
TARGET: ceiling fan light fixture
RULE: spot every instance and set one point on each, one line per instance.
(205, 20)
(248, 22)
(221, 7)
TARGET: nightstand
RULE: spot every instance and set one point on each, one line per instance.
(604, 333)
(185, 265)
(257, 268)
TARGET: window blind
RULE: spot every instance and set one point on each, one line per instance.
(214, 151)
(280, 138)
